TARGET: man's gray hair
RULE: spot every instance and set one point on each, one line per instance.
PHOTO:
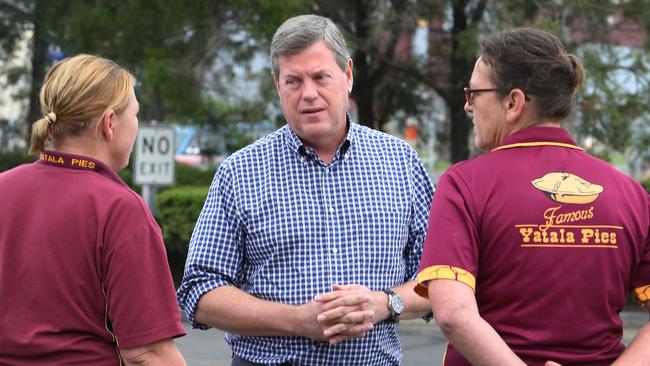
(300, 32)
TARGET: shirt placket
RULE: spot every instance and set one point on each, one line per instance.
(332, 251)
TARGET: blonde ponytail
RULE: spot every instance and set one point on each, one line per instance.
(40, 136)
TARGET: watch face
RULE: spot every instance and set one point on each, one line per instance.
(397, 304)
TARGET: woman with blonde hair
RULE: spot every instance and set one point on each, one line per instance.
(83, 271)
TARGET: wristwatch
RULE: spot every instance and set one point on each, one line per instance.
(395, 305)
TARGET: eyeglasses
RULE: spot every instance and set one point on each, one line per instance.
(469, 93)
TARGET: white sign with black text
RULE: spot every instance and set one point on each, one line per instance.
(155, 149)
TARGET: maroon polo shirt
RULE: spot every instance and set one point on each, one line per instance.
(83, 267)
(550, 238)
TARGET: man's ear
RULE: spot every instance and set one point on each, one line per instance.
(107, 124)
(276, 81)
(349, 76)
(514, 104)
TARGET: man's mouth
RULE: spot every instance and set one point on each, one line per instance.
(311, 110)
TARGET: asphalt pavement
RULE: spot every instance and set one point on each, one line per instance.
(423, 343)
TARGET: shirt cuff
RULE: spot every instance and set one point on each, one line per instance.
(189, 295)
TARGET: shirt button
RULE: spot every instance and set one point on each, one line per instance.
(334, 250)
(331, 209)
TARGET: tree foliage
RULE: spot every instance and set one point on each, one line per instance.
(186, 54)
(373, 29)
(388, 84)
(388, 81)
(40, 18)
(611, 106)
(169, 45)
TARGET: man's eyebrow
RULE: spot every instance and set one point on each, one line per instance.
(290, 74)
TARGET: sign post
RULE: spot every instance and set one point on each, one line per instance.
(155, 147)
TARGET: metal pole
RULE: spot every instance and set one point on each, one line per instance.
(148, 196)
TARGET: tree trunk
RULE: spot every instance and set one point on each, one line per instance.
(38, 63)
(460, 131)
(363, 86)
(461, 70)
(363, 93)
(158, 113)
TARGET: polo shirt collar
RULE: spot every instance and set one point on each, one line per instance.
(304, 151)
(78, 162)
(539, 136)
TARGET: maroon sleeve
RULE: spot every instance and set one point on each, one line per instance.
(451, 244)
(138, 285)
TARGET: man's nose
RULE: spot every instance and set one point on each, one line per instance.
(310, 90)
(468, 107)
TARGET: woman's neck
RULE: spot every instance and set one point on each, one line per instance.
(84, 145)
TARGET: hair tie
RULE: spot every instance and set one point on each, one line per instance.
(50, 118)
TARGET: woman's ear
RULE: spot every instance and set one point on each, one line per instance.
(107, 124)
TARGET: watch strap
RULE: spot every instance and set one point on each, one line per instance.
(394, 316)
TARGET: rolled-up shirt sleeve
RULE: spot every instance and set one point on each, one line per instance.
(641, 281)
(215, 252)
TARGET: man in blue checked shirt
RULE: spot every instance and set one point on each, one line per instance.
(309, 242)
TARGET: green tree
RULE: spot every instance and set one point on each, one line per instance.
(611, 106)
(169, 45)
(373, 30)
(387, 80)
(40, 18)
(172, 46)
(387, 83)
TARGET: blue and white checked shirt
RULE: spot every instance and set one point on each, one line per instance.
(283, 226)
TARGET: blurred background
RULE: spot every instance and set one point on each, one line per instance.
(202, 67)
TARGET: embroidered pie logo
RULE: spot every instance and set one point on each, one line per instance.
(567, 188)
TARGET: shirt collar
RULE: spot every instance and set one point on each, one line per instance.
(305, 152)
(539, 136)
(78, 162)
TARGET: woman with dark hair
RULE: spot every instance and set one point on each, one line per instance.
(532, 248)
